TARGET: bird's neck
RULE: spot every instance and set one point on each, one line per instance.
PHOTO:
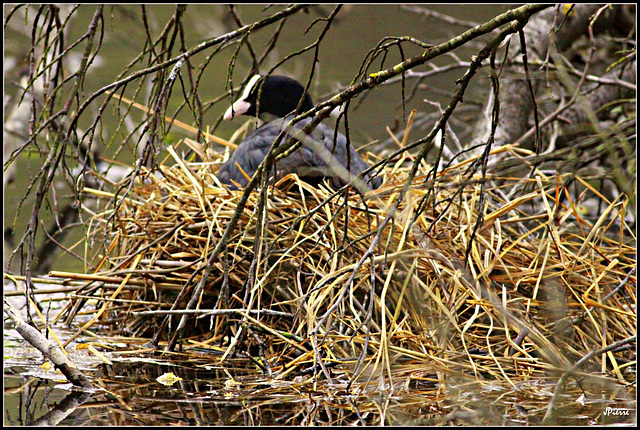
(266, 117)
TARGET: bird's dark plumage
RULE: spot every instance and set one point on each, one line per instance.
(319, 155)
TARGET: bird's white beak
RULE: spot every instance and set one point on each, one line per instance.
(236, 109)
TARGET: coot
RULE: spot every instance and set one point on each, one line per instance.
(323, 154)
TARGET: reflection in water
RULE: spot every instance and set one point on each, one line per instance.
(209, 395)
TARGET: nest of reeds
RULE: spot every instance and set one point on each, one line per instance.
(313, 277)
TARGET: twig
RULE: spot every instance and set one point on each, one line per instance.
(48, 349)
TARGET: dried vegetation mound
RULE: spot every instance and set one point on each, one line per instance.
(313, 276)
